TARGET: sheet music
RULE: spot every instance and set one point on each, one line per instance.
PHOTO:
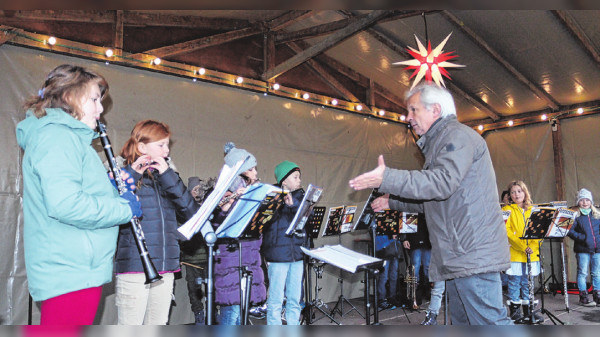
(341, 257)
(561, 224)
(243, 211)
(311, 197)
(347, 218)
(409, 223)
(199, 221)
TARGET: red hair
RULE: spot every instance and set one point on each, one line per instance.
(146, 131)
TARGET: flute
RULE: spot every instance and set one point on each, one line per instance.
(149, 269)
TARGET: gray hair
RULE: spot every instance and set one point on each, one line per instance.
(432, 94)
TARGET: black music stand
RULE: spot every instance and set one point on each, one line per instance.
(337, 224)
(254, 209)
(352, 262)
(388, 222)
(537, 228)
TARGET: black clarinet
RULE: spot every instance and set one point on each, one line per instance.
(149, 269)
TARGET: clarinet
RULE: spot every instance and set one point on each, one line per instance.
(136, 228)
(530, 285)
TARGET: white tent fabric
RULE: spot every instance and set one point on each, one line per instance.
(330, 146)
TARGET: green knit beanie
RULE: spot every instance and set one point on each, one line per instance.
(284, 169)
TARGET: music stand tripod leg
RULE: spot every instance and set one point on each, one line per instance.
(543, 309)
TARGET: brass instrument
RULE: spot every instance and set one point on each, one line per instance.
(411, 286)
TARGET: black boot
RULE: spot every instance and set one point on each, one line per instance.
(515, 312)
(537, 317)
(430, 319)
(584, 300)
(596, 294)
(199, 318)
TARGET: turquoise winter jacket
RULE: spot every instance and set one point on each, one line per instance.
(71, 209)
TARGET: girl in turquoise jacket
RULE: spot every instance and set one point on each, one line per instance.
(71, 209)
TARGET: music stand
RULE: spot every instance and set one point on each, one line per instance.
(537, 228)
(340, 222)
(245, 221)
(313, 225)
(352, 262)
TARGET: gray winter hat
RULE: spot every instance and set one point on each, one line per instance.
(233, 155)
(584, 194)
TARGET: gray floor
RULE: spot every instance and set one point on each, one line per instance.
(554, 304)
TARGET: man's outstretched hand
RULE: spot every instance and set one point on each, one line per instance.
(371, 179)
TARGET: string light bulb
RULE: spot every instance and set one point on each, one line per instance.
(109, 53)
(156, 61)
(510, 123)
(276, 86)
(580, 111)
(334, 101)
(306, 95)
(359, 107)
(544, 117)
(52, 40)
(201, 71)
(381, 112)
(480, 127)
(239, 80)
(402, 118)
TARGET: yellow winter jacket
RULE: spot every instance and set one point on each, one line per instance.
(515, 227)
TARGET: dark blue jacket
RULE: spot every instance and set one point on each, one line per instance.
(585, 233)
(165, 201)
(277, 246)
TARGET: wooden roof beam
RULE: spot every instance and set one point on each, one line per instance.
(574, 28)
(205, 42)
(287, 19)
(326, 76)
(327, 43)
(494, 54)
(87, 16)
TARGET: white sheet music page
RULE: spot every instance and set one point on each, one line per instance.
(340, 257)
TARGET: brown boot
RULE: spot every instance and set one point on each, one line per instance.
(584, 300)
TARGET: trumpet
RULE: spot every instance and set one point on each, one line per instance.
(411, 286)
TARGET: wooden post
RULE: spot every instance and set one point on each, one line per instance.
(558, 158)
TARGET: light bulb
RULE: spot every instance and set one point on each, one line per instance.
(52, 40)
(402, 117)
(359, 107)
(480, 127)
(580, 111)
(156, 61)
(108, 53)
(201, 71)
(510, 123)
(334, 102)
(306, 95)
(381, 112)
(276, 86)
(544, 117)
(239, 80)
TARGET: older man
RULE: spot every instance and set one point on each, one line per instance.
(456, 189)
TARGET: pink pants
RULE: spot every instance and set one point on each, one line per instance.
(74, 308)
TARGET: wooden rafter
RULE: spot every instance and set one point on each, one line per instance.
(287, 19)
(326, 76)
(205, 42)
(4, 35)
(118, 31)
(568, 21)
(327, 43)
(327, 28)
(495, 55)
(130, 18)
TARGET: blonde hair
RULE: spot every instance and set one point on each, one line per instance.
(527, 202)
(64, 88)
(146, 131)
